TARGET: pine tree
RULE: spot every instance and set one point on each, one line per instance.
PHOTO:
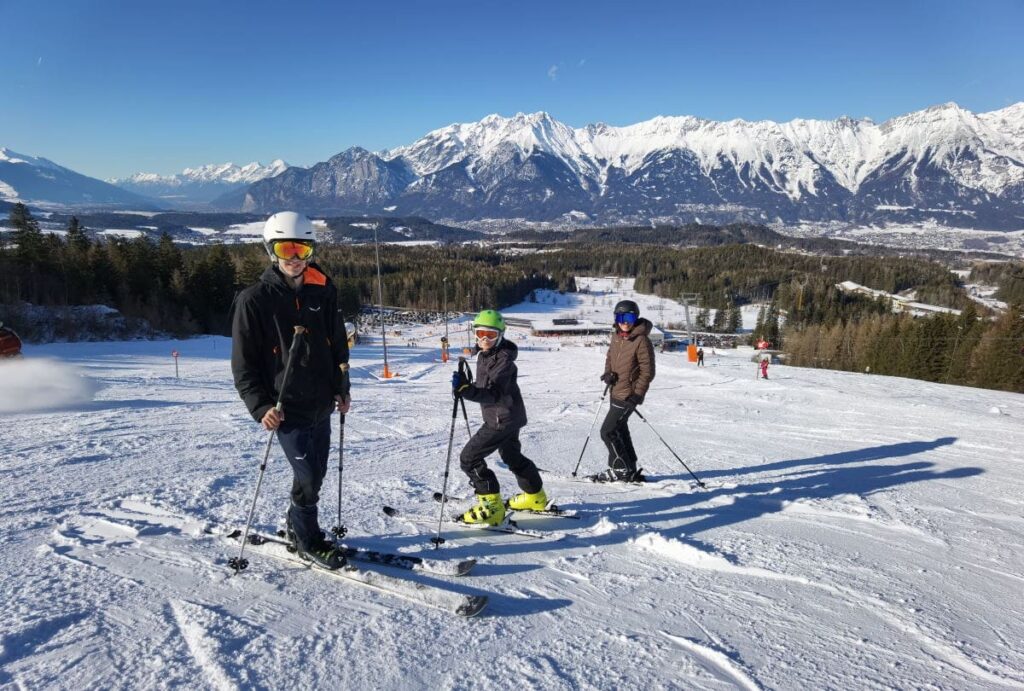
(703, 316)
(759, 326)
(735, 320)
(998, 360)
(27, 235)
(76, 238)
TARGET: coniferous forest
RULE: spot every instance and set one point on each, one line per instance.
(185, 290)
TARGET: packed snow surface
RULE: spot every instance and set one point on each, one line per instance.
(856, 531)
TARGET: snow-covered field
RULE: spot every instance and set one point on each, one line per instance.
(596, 300)
(929, 236)
(856, 532)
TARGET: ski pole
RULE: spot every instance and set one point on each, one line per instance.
(699, 483)
(339, 530)
(468, 374)
(438, 540)
(599, 406)
(238, 563)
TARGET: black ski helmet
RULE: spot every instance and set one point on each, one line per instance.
(627, 307)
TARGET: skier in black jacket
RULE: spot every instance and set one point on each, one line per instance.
(292, 292)
(501, 405)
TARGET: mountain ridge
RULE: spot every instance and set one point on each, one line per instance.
(683, 168)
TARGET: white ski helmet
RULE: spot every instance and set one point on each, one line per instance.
(287, 225)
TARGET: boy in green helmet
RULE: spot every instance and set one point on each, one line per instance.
(501, 405)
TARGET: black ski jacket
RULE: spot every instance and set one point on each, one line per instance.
(262, 329)
(496, 389)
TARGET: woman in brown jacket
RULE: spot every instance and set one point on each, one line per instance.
(628, 370)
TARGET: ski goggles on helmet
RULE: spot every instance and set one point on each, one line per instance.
(625, 318)
(485, 334)
(293, 249)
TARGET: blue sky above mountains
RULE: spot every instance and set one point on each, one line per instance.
(111, 88)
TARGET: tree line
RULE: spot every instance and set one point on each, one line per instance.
(188, 290)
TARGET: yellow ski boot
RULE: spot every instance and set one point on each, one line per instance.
(489, 510)
(527, 501)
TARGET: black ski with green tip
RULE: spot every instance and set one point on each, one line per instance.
(412, 591)
(508, 527)
(551, 510)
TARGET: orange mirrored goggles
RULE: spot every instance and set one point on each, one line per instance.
(487, 334)
(293, 249)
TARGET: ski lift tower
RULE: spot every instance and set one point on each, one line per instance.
(686, 299)
(380, 301)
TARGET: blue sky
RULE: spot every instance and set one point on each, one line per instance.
(110, 88)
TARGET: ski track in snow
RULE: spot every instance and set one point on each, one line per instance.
(717, 660)
(856, 532)
(202, 648)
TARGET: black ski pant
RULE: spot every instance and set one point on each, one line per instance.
(307, 448)
(615, 435)
(506, 441)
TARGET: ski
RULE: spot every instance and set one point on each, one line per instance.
(509, 527)
(420, 593)
(551, 510)
(406, 562)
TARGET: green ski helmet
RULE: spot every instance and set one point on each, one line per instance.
(491, 319)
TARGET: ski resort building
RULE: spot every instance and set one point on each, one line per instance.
(583, 327)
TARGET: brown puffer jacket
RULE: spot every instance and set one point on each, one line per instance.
(631, 357)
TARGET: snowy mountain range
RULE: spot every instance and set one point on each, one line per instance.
(194, 186)
(39, 180)
(943, 164)
(940, 166)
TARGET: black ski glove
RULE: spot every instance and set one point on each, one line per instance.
(609, 378)
(634, 400)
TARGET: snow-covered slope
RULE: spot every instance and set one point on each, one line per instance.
(856, 532)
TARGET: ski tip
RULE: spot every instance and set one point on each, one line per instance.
(473, 605)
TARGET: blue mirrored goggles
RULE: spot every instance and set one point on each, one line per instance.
(625, 318)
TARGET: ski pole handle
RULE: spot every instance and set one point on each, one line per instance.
(465, 370)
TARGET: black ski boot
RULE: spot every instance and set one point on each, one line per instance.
(619, 475)
(324, 554)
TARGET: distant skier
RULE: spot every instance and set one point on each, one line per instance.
(293, 291)
(764, 367)
(629, 370)
(700, 357)
(501, 404)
